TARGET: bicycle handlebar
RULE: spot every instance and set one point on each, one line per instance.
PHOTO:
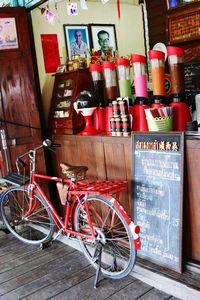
(46, 143)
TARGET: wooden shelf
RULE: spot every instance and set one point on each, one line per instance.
(66, 88)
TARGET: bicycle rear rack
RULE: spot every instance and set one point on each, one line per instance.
(16, 179)
(104, 186)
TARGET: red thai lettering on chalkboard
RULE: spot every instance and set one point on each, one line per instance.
(157, 145)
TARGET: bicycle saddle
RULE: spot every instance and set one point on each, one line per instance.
(75, 172)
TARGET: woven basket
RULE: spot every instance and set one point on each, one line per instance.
(160, 124)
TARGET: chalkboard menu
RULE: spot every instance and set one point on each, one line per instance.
(158, 195)
(192, 82)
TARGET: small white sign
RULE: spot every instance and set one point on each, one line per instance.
(83, 4)
(72, 9)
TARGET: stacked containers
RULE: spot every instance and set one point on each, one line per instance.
(123, 74)
(111, 90)
(139, 122)
(157, 62)
(97, 85)
(181, 112)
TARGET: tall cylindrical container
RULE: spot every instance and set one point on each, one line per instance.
(123, 74)
(176, 68)
(139, 122)
(110, 80)
(157, 62)
(98, 89)
(140, 77)
(181, 111)
(97, 82)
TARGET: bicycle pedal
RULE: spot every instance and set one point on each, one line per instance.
(46, 244)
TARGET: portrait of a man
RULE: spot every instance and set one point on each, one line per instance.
(77, 40)
(103, 40)
(103, 37)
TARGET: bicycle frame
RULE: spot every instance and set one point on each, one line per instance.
(34, 187)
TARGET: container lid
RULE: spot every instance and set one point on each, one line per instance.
(108, 65)
(121, 61)
(156, 54)
(138, 58)
(95, 67)
(171, 50)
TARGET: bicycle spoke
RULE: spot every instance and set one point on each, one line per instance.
(26, 226)
(118, 254)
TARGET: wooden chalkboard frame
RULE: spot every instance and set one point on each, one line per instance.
(137, 182)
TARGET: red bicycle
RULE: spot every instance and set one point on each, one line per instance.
(107, 235)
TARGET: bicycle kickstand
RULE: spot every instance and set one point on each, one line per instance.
(97, 259)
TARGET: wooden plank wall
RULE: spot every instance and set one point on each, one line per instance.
(105, 157)
(157, 16)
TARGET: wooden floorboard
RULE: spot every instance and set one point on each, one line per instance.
(60, 272)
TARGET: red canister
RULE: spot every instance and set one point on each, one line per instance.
(139, 122)
(108, 115)
(181, 115)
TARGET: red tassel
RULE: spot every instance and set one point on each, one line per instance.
(118, 8)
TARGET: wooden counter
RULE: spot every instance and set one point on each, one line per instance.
(110, 158)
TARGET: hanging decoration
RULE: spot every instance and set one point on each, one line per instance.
(72, 9)
(118, 8)
(83, 4)
(49, 15)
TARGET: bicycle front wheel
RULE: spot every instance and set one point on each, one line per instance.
(112, 231)
(33, 227)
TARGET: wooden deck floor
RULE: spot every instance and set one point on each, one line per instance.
(60, 272)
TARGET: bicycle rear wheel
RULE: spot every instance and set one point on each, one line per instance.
(34, 228)
(118, 252)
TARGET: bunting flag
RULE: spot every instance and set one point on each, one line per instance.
(118, 8)
(83, 4)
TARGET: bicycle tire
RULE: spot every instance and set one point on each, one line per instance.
(34, 229)
(118, 249)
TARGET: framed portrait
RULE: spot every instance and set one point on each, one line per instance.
(103, 36)
(77, 40)
(8, 34)
(176, 3)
